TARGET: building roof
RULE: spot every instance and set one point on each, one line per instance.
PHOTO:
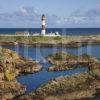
(43, 16)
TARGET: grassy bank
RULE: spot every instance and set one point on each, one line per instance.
(44, 39)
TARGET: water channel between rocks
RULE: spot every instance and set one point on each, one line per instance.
(33, 81)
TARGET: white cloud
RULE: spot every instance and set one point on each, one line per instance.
(23, 10)
(84, 17)
(98, 5)
(31, 17)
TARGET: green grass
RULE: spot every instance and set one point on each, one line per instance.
(40, 39)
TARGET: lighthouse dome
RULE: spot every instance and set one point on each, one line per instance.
(43, 17)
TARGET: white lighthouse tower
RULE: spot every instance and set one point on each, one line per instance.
(43, 30)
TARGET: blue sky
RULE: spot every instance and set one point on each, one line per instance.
(59, 13)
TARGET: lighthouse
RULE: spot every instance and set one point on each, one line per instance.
(43, 30)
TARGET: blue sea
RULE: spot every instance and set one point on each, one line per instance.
(62, 31)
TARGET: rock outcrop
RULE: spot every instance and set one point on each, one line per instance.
(12, 65)
(62, 61)
(84, 86)
(77, 87)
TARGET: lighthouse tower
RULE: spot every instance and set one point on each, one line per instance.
(43, 30)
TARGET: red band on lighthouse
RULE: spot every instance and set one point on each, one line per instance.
(43, 31)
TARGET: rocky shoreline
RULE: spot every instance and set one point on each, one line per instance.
(11, 66)
(72, 44)
(84, 86)
(62, 61)
(75, 87)
(39, 41)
